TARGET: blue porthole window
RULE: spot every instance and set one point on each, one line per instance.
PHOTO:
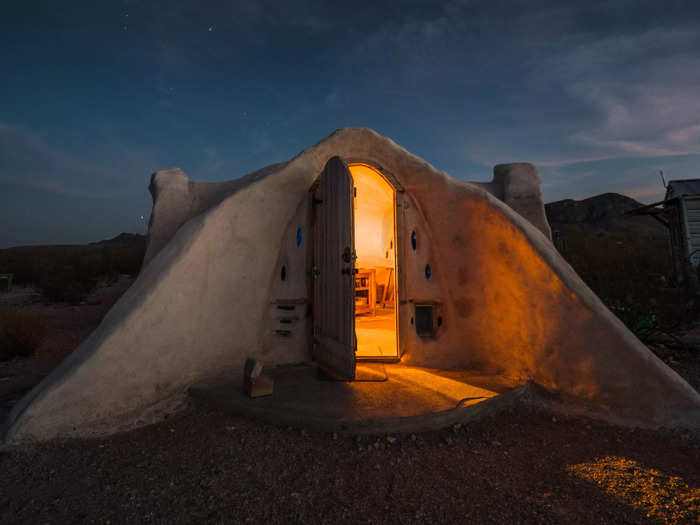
(413, 239)
(428, 271)
(283, 272)
(298, 236)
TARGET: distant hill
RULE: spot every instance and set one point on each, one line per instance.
(624, 259)
(122, 254)
(602, 215)
(124, 238)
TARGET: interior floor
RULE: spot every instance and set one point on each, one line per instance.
(376, 335)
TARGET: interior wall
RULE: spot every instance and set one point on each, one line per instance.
(374, 218)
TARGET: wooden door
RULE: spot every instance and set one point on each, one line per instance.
(334, 289)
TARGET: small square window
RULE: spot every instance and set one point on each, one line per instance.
(425, 327)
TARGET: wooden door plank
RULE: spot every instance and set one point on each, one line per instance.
(334, 287)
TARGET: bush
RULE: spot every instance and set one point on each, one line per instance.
(63, 288)
(21, 332)
(70, 268)
(631, 276)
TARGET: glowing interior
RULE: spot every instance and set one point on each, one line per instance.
(375, 283)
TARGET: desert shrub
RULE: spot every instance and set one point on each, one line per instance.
(631, 276)
(128, 259)
(69, 273)
(66, 287)
(57, 267)
(21, 332)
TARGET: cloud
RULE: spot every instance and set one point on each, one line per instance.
(58, 188)
(684, 135)
(637, 177)
(214, 160)
(331, 99)
(26, 160)
(555, 163)
(49, 195)
(643, 89)
(624, 148)
(586, 93)
(644, 193)
(210, 165)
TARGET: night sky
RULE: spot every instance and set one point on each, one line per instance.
(96, 96)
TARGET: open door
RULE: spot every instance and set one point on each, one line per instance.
(376, 313)
(334, 284)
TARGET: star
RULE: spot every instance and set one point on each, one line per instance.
(211, 28)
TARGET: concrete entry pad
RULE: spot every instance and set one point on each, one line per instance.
(394, 398)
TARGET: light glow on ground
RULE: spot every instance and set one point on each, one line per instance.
(423, 380)
(661, 496)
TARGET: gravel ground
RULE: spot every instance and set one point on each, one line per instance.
(202, 465)
(206, 466)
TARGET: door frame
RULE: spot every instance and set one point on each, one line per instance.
(400, 205)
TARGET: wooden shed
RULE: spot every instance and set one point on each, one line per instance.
(680, 213)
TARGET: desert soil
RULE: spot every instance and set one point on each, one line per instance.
(526, 465)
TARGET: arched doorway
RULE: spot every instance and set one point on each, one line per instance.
(374, 207)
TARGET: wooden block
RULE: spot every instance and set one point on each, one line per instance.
(253, 368)
(262, 385)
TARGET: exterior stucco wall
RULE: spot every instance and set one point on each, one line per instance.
(202, 303)
(286, 330)
(513, 306)
(176, 200)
